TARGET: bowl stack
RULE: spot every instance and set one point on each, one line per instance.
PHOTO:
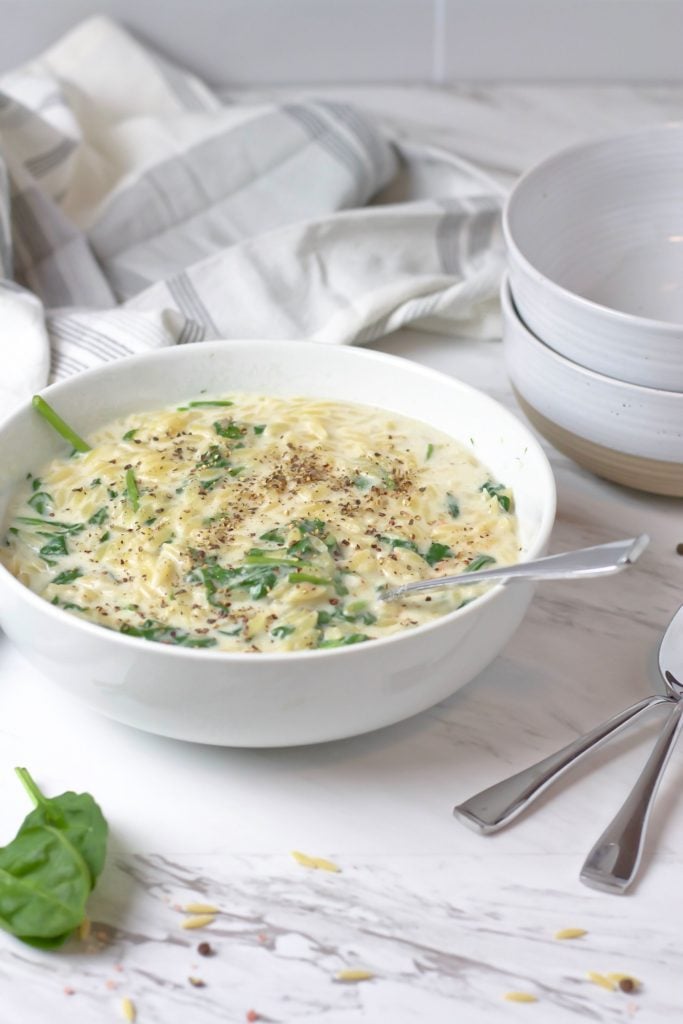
(593, 305)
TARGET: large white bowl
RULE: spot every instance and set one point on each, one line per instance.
(595, 254)
(629, 434)
(274, 699)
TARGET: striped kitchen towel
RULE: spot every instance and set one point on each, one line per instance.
(137, 210)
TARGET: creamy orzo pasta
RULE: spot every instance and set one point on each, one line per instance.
(256, 523)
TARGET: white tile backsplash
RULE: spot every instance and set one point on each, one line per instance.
(257, 42)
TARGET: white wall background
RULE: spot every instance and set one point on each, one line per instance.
(255, 42)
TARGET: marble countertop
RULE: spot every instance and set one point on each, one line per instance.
(446, 921)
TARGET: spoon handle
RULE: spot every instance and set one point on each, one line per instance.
(600, 560)
(494, 807)
(613, 862)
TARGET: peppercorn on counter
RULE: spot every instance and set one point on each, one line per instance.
(255, 523)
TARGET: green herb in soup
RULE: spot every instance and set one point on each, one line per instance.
(257, 524)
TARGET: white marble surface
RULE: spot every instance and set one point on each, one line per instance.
(448, 921)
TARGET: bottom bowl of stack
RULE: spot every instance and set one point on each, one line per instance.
(626, 433)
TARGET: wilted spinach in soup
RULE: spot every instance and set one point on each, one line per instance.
(255, 523)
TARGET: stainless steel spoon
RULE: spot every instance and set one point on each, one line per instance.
(493, 808)
(601, 560)
(613, 862)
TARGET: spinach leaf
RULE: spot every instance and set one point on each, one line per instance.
(302, 547)
(437, 552)
(54, 549)
(275, 536)
(51, 523)
(69, 605)
(77, 815)
(307, 577)
(205, 404)
(40, 501)
(132, 490)
(213, 458)
(49, 869)
(315, 526)
(68, 576)
(157, 631)
(452, 506)
(228, 428)
(357, 611)
(264, 556)
(258, 580)
(399, 542)
(282, 631)
(44, 884)
(345, 641)
(479, 562)
(497, 491)
(99, 517)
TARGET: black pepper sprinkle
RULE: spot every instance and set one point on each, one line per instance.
(627, 984)
(205, 949)
(679, 548)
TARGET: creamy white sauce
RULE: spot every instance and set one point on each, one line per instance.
(262, 524)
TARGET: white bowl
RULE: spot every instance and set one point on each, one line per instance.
(274, 699)
(629, 434)
(595, 254)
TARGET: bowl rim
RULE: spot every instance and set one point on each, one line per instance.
(668, 327)
(509, 307)
(98, 631)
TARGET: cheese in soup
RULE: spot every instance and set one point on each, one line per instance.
(254, 523)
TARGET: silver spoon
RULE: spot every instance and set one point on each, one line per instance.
(601, 560)
(613, 862)
(493, 808)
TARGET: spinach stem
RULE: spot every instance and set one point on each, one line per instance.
(30, 786)
(58, 424)
(305, 577)
(132, 490)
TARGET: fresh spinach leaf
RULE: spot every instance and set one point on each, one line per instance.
(49, 869)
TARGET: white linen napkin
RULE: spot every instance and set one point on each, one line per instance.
(138, 211)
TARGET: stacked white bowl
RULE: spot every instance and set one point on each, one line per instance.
(593, 304)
